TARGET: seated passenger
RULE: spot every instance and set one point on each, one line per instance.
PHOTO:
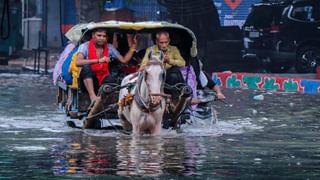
(172, 58)
(94, 56)
(122, 42)
(204, 80)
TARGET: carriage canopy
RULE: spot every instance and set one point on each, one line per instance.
(180, 36)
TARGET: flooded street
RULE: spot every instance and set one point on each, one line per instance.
(274, 138)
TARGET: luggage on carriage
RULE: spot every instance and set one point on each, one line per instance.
(103, 113)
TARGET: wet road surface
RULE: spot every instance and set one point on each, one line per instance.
(275, 138)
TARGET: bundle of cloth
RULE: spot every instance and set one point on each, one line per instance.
(66, 70)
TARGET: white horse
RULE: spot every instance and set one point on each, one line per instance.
(145, 113)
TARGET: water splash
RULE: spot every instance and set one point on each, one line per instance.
(29, 148)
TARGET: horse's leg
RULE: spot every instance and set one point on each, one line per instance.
(157, 128)
(135, 117)
(135, 130)
(158, 118)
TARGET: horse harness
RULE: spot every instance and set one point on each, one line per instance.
(146, 106)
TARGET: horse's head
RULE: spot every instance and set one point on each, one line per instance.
(154, 76)
(157, 56)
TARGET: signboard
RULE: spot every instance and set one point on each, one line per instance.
(233, 12)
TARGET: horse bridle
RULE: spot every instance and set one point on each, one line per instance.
(143, 104)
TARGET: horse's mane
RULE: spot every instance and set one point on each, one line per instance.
(156, 56)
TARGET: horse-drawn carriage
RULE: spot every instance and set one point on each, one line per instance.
(105, 112)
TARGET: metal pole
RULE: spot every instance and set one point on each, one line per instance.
(39, 50)
(39, 53)
(46, 61)
(35, 60)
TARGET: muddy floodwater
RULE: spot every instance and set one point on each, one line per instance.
(274, 138)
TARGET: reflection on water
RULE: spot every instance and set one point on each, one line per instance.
(277, 138)
(87, 158)
(140, 156)
(126, 156)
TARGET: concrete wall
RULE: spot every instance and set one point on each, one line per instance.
(260, 81)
